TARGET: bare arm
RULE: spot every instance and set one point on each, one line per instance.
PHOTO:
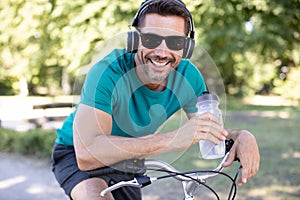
(246, 149)
(95, 146)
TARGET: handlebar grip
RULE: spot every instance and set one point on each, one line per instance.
(228, 144)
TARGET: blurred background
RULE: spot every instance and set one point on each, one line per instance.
(46, 44)
(255, 44)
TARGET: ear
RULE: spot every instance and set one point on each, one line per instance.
(132, 41)
(189, 48)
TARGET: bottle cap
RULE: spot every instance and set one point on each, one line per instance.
(207, 97)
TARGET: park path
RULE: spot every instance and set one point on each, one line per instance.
(29, 178)
(24, 178)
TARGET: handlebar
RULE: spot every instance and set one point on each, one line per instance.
(159, 165)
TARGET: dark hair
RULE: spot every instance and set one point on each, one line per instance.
(166, 8)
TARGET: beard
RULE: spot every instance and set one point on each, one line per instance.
(156, 68)
(156, 75)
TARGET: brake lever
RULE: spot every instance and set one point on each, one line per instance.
(139, 181)
(132, 183)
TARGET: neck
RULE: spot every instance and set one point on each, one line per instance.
(157, 86)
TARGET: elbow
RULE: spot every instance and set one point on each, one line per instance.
(85, 159)
(82, 163)
(85, 163)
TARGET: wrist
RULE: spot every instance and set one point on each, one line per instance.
(234, 134)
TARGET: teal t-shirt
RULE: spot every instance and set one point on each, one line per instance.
(113, 86)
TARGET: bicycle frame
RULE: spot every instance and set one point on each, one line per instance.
(189, 180)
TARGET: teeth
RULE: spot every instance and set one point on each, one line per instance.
(159, 64)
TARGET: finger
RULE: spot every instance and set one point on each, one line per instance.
(209, 116)
(209, 121)
(211, 138)
(205, 134)
(246, 170)
(231, 157)
(244, 177)
(213, 129)
(241, 182)
(254, 168)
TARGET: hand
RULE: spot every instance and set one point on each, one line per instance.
(245, 148)
(199, 127)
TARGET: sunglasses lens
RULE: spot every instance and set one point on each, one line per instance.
(175, 42)
(152, 41)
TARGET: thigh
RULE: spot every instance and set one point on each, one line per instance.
(77, 183)
(123, 193)
(65, 168)
(90, 189)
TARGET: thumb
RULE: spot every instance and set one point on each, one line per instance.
(230, 158)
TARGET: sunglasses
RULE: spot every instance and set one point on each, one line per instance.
(151, 41)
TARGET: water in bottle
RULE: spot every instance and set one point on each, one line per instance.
(210, 103)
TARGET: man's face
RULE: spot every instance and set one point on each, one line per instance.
(154, 63)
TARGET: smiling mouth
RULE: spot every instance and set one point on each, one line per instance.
(159, 64)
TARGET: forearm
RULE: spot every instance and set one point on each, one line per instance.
(95, 146)
(105, 150)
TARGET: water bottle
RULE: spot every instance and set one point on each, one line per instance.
(210, 103)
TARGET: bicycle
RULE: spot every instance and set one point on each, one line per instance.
(190, 180)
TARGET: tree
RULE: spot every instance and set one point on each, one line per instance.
(252, 39)
(46, 41)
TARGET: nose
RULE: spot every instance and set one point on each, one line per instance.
(162, 50)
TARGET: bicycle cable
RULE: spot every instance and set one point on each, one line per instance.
(172, 174)
(232, 191)
(234, 185)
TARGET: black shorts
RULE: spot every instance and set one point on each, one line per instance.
(68, 175)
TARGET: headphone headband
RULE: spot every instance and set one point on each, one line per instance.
(147, 3)
(133, 36)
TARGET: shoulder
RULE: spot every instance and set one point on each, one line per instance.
(115, 64)
(189, 70)
(192, 75)
(118, 60)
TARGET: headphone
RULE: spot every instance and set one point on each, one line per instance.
(133, 36)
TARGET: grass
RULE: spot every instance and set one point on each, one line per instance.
(275, 127)
(277, 131)
(279, 175)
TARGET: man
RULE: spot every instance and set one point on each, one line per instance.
(128, 95)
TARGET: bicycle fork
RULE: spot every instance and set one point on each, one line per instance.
(189, 188)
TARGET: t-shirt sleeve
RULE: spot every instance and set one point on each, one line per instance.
(97, 89)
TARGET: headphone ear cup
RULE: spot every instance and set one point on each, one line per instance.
(132, 41)
(189, 48)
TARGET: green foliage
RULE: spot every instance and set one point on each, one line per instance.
(7, 138)
(42, 40)
(35, 142)
(242, 53)
(7, 86)
(47, 41)
(290, 87)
